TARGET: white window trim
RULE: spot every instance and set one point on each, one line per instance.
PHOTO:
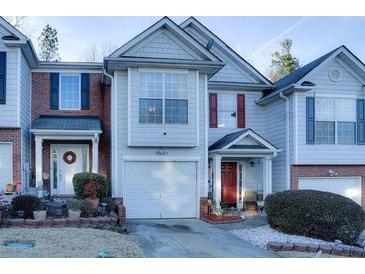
(336, 120)
(163, 98)
(59, 88)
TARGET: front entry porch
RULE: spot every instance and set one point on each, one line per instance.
(240, 169)
(70, 146)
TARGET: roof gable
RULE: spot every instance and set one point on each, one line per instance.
(182, 41)
(236, 69)
(6, 29)
(162, 44)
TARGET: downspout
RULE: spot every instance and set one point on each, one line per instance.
(287, 140)
(113, 134)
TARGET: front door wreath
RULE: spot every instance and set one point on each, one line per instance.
(69, 157)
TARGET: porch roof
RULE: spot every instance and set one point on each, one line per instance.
(242, 142)
(77, 123)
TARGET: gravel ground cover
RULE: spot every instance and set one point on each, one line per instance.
(67, 243)
(260, 236)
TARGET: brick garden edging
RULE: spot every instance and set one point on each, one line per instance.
(333, 249)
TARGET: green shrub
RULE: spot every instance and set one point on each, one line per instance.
(87, 209)
(317, 214)
(81, 179)
(27, 203)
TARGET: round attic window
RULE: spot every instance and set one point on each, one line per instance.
(335, 75)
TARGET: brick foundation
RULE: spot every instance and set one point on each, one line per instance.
(322, 171)
(13, 135)
(204, 208)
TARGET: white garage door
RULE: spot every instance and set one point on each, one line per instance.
(160, 189)
(6, 165)
(346, 186)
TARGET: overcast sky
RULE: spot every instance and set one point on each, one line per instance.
(254, 38)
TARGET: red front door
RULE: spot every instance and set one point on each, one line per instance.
(229, 183)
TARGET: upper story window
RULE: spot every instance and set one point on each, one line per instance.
(227, 110)
(163, 98)
(70, 92)
(335, 120)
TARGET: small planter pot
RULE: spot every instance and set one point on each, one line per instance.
(40, 214)
(94, 202)
(74, 213)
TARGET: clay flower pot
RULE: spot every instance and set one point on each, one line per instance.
(74, 213)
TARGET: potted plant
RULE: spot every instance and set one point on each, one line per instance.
(9, 187)
(40, 214)
(74, 208)
(90, 192)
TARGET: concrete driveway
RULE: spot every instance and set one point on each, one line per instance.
(190, 238)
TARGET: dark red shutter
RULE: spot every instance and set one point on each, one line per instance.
(213, 110)
(241, 115)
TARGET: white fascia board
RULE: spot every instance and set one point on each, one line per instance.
(65, 132)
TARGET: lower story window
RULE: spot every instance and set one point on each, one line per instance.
(346, 133)
(150, 111)
(176, 111)
(325, 132)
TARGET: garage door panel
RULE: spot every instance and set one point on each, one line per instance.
(6, 168)
(346, 186)
(163, 189)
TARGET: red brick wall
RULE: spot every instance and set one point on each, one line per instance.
(322, 171)
(13, 135)
(99, 106)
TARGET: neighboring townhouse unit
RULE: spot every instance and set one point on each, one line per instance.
(175, 117)
(16, 60)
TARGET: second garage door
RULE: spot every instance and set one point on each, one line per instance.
(346, 186)
(160, 189)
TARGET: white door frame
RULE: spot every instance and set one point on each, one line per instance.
(12, 159)
(54, 191)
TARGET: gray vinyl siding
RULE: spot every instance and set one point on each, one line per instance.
(9, 111)
(275, 133)
(231, 72)
(254, 176)
(254, 115)
(177, 135)
(25, 115)
(328, 154)
(123, 150)
(161, 46)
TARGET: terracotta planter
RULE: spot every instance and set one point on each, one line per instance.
(74, 213)
(94, 202)
(40, 214)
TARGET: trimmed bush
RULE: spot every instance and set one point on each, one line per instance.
(87, 209)
(81, 179)
(27, 203)
(317, 214)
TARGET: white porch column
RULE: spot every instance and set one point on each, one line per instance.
(96, 153)
(217, 184)
(38, 162)
(267, 168)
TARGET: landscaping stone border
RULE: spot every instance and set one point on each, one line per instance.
(333, 249)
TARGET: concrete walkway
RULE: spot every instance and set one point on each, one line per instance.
(190, 238)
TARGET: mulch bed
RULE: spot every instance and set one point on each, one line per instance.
(216, 219)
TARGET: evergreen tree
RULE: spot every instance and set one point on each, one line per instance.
(48, 44)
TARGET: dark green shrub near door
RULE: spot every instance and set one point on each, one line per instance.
(81, 179)
(317, 214)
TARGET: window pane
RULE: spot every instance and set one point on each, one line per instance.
(70, 92)
(325, 132)
(55, 168)
(325, 109)
(176, 111)
(227, 108)
(150, 111)
(346, 110)
(150, 85)
(346, 133)
(176, 86)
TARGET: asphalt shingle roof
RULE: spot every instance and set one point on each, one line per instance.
(54, 122)
(227, 139)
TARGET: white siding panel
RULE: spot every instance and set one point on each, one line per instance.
(162, 46)
(328, 154)
(25, 116)
(9, 111)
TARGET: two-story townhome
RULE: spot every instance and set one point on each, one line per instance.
(322, 106)
(17, 57)
(175, 117)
